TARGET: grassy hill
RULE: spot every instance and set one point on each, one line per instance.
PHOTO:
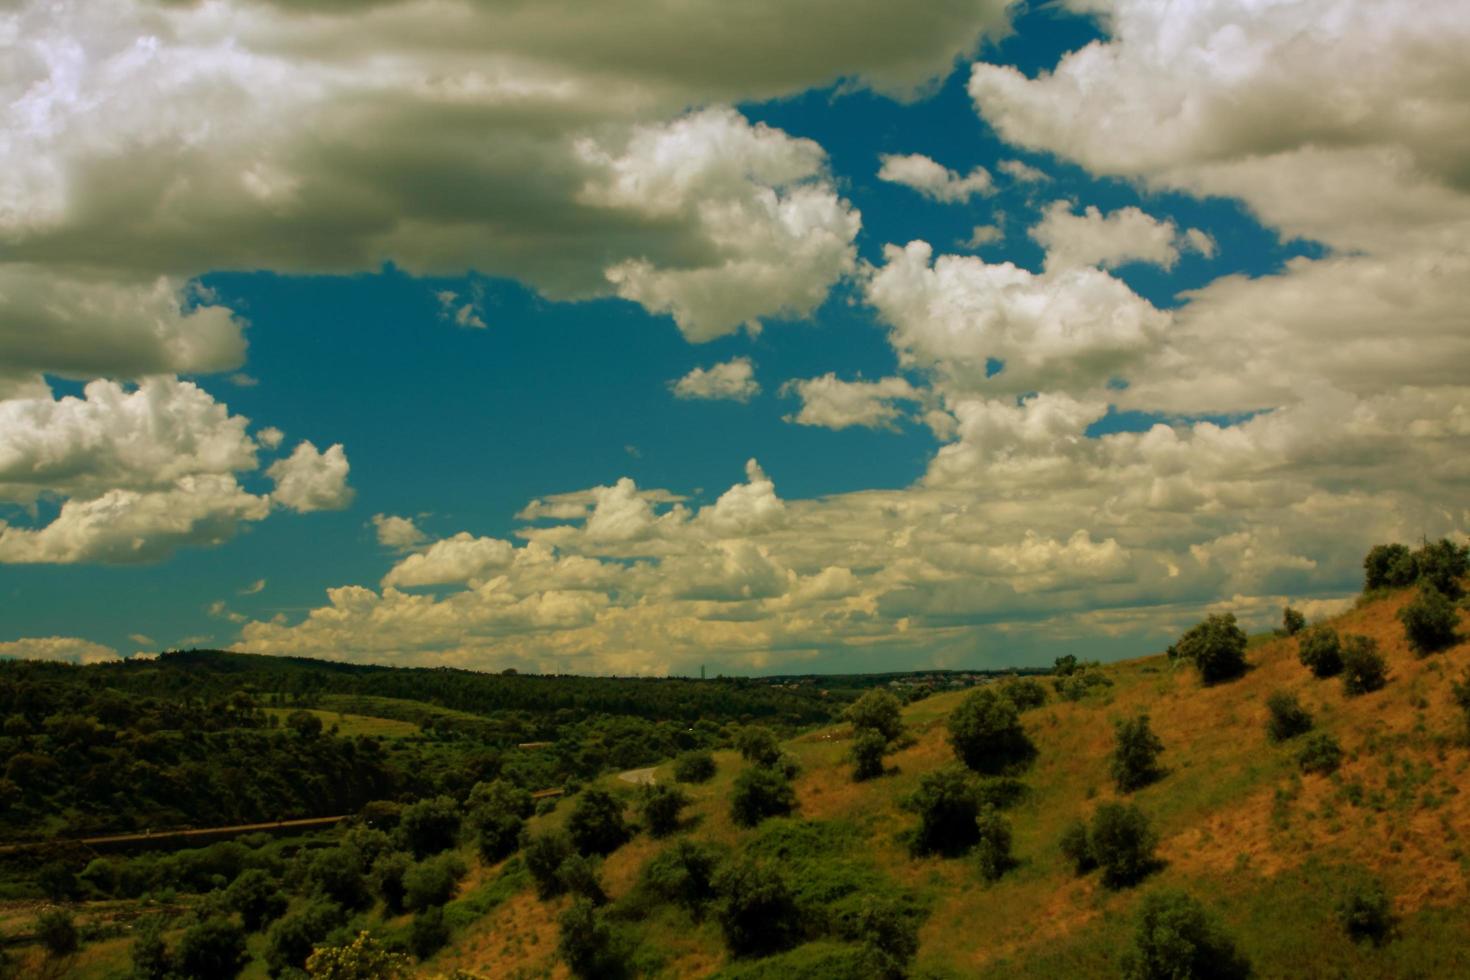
(1268, 848)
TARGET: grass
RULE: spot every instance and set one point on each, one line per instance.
(349, 725)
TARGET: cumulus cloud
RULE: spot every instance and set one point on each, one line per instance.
(831, 403)
(1022, 172)
(933, 180)
(398, 533)
(66, 649)
(459, 559)
(1113, 239)
(983, 235)
(733, 379)
(309, 480)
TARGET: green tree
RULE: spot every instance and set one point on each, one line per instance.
(544, 854)
(57, 932)
(596, 822)
(761, 792)
(363, 959)
(429, 826)
(1217, 647)
(587, 943)
(149, 952)
(387, 874)
(432, 882)
(336, 875)
(578, 875)
(879, 711)
(1320, 651)
(289, 940)
(986, 734)
(1065, 665)
(257, 897)
(1320, 753)
(758, 745)
(948, 812)
(1176, 939)
(682, 873)
(1388, 566)
(660, 807)
(1292, 621)
(1134, 762)
(697, 766)
(867, 752)
(1024, 692)
(497, 812)
(890, 938)
(1429, 620)
(757, 911)
(211, 950)
(1363, 667)
(1442, 565)
(428, 933)
(1076, 847)
(1285, 717)
(304, 724)
(1122, 843)
(1366, 912)
(993, 844)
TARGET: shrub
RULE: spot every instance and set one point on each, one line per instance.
(1287, 718)
(1429, 621)
(149, 952)
(1320, 753)
(578, 875)
(1176, 939)
(993, 846)
(1065, 665)
(334, 874)
(1079, 684)
(544, 854)
(1442, 565)
(363, 959)
(867, 753)
(1217, 647)
(429, 826)
(697, 766)
(1365, 911)
(683, 874)
(428, 933)
(57, 932)
(432, 882)
(758, 745)
(879, 711)
(1388, 566)
(1135, 759)
(1122, 843)
(1024, 692)
(756, 911)
(1292, 622)
(948, 812)
(986, 733)
(587, 944)
(660, 808)
(890, 938)
(1320, 651)
(258, 899)
(497, 812)
(596, 822)
(211, 950)
(999, 791)
(1460, 695)
(387, 874)
(290, 939)
(1363, 668)
(1076, 847)
(761, 792)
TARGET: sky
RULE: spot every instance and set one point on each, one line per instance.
(635, 338)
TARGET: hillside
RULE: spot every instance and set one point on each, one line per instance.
(1266, 846)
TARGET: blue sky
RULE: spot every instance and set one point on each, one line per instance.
(1035, 511)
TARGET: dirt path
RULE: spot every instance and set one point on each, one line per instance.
(638, 777)
(171, 836)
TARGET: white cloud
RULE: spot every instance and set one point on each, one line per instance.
(67, 649)
(270, 437)
(733, 379)
(398, 533)
(458, 311)
(831, 403)
(460, 559)
(254, 588)
(1113, 239)
(933, 180)
(983, 235)
(309, 480)
(1022, 172)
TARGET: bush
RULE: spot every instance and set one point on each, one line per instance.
(587, 944)
(1135, 759)
(1176, 939)
(289, 941)
(388, 874)
(544, 854)
(993, 846)
(428, 933)
(1363, 668)
(683, 874)
(756, 911)
(1320, 753)
(1320, 651)
(257, 897)
(999, 791)
(694, 767)
(1076, 847)
(429, 826)
(432, 882)
(890, 939)
(1429, 621)
(211, 950)
(1442, 565)
(1064, 666)
(948, 812)
(1460, 695)
(867, 754)
(1217, 647)
(1366, 913)
(334, 874)
(1292, 622)
(497, 812)
(1122, 843)
(761, 792)
(578, 875)
(596, 822)
(986, 733)
(149, 952)
(758, 745)
(660, 808)
(879, 711)
(1079, 684)
(1287, 718)
(1024, 692)
(363, 959)
(1389, 566)
(57, 932)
